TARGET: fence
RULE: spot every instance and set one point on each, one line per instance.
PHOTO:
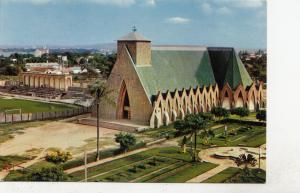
(39, 116)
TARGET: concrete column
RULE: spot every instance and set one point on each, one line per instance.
(36, 81)
(31, 80)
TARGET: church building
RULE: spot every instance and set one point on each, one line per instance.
(155, 85)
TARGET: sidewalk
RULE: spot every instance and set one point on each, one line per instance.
(208, 174)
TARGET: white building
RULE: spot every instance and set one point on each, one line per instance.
(40, 51)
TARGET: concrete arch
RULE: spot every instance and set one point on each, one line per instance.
(181, 114)
(174, 116)
(166, 119)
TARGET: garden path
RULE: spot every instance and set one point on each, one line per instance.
(208, 174)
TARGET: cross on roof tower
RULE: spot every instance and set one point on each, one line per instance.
(134, 29)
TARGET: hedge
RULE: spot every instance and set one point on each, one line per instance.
(246, 122)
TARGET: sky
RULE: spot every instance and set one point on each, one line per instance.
(236, 23)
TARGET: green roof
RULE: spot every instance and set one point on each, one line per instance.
(176, 69)
(228, 67)
(184, 67)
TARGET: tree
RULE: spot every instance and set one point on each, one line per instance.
(125, 140)
(192, 124)
(261, 115)
(207, 135)
(183, 144)
(220, 112)
(245, 161)
(240, 111)
(49, 174)
(101, 92)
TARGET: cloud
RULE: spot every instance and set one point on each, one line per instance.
(249, 3)
(30, 1)
(104, 2)
(240, 3)
(178, 20)
(224, 10)
(151, 2)
(206, 8)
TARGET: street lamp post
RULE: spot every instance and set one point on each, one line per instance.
(259, 152)
(225, 133)
(98, 98)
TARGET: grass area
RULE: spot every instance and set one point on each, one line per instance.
(15, 175)
(11, 160)
(234, 175)
(167, 131)
(28, 106)
(8, 130)
(171, 166)
(188, 173)
(237, 135)
(161, 132)
(223, 176)
(251, 117)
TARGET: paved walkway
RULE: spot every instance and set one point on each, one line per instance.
(208, 174)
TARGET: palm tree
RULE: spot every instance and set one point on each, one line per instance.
(183, 144)
(192, 124)
(245, 161)
(100, 91)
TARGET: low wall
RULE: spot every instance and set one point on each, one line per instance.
(39, 116)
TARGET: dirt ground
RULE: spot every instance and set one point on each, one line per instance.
(58, 134)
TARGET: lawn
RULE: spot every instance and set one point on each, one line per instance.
(28, 106)
(167, 164)
(231, 175)
(11, 160)
(237, 135)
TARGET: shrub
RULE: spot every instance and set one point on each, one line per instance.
(141, 166)
(126, 140)
(261, 115)
(46, 174)
(240, 111)
(58, 156)
(206, 116)
(220, 112)
(133, 170)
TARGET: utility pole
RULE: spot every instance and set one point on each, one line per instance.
(98, 98)
(85, 167)
(259, 152)
(225, 133)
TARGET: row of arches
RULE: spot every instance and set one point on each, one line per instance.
(171, 106)
(250, 97)
(61, 82)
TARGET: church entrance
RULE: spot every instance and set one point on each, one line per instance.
(126, 107)
(123, 110)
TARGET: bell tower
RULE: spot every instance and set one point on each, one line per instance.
(138, 46)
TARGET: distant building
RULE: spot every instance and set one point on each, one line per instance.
(51, 75)
(43, 65)
(40, 51)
